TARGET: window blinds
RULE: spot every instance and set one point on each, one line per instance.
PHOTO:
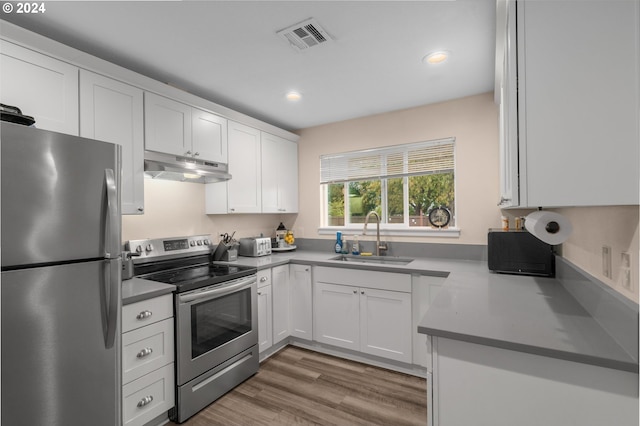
(412, 159)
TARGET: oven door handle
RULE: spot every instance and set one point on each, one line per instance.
(217, 292)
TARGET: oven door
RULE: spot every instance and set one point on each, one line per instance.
(214, 324)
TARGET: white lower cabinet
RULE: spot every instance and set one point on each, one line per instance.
(482, 385)
(301, 294)
(373, 316)
(265, 308)
(274, 311)
(281, 303)
(424, 290)
(148, 377)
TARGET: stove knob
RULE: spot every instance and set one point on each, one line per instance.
(199, 242)
(192, 243)
(206, 242)
(149, 248)
(139, 249)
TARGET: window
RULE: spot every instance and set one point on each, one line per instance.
(402, 183)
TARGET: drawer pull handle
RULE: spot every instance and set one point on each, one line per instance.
(144, 314)
(145, 401)
(144, 352)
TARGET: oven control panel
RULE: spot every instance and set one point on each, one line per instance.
(157, 248)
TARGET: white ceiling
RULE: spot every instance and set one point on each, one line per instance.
(228, 51)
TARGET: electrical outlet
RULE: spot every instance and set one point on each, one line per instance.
(625, 271)
(625, 276)
(625, 260)
(606, 261)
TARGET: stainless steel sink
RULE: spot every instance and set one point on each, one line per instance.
(384, 260)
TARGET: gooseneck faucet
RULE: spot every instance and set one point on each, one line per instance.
(379, 246)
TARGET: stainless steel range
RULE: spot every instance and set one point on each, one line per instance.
(215, 313)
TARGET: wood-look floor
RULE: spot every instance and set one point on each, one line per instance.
(301, 387)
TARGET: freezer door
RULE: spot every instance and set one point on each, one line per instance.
(60, 197)
(58, 367)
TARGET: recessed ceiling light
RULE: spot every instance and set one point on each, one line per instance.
(436, 57)
(293, 96)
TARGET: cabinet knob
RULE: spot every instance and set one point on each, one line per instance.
(355, 292)
(362, 292)
(144, 352)
(144, 314)
(187, 153)
(140, 209)
(263, 279)
(195, 154)
(259, 293)
(145, 401)
(232, 210)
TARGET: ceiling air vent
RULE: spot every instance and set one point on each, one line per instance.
(304, 35)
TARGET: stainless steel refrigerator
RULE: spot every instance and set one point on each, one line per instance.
(60, 286)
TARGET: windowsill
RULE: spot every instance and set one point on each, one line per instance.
(371, 230)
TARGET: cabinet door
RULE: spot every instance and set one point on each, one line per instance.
(265, 325)
(578, 116)
(167, 125)
(509, 177)
(113, 111)
(209, 133)
(424, 291)
(301, 301)
(281, 303)
(336, 315)
(42, 87)
(279, 175)
(385, 324)
(244, 189)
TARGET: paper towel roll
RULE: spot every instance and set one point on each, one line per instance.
(550, 227)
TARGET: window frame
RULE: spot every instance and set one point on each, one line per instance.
(388, 228)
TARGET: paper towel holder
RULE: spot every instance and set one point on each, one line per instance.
(550, 227)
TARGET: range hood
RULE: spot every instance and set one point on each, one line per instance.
(183, 169)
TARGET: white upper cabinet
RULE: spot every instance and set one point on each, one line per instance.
(264, 170)
(577, 95)
(42, 87)
(279, 175)
(112, 111)
(244, 188)
(243, 193)
(174, 128)
(167, 125)
(209, 136)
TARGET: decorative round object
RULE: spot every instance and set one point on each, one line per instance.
(439, 217)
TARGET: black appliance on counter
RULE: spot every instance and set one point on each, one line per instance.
(519, 252)
(216, 317)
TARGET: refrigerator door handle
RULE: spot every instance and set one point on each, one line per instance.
(110, 295)
(111, 231)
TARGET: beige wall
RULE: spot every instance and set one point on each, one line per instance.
(473, 121)
(174, 209)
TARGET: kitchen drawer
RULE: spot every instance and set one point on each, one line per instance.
(146, 349)
(363, 278)
(148, 397)
(264, 277)
(146, 312)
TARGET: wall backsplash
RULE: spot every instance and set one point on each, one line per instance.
(174, 209)
(594, 227)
